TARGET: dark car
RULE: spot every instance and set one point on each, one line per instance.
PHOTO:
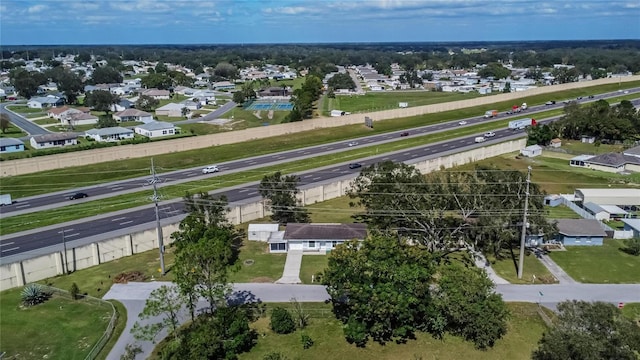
(406, 133)
(355, 165)
(79, 195)
(590, 96)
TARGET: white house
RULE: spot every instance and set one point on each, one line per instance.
(261, 232)
(531, 151)
(44, 102)
(315, 237)
(110, 134)
(157, 94)
(170, 110)
(605, 212)
(133, 115)
(78, 118)
(156, 129)
(53, 140)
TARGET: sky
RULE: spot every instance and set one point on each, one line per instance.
(61, 22)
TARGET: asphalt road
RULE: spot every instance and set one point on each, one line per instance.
(59, 199)
(45, 240)
(212, 115)
(26, 125)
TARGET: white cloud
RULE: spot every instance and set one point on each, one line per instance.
(36, 9)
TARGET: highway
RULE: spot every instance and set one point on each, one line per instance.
(59, 199)
(41, 241)
(26, 125)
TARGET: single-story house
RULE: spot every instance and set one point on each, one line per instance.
(54, 140)
(634, 151)
(261, 232)
(223, 85)
(110, 134)
(156, 129)
(588, 139)
(619, 197)
(157, 94)
(531, 151)
(191, 105)
(42, 102)
(580, 232)
(316, 237)
(580, 160)
(78, 118)
(133, 115)
(605, 212)
(170, 110)
(632, 225)
(614, 162)
(122, 105)
(555, 143)
(9, 145)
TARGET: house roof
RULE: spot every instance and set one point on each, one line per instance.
(55, 137)
(263, 227)
(10, 142)
(156, 125)
(613, 159)
(634, 151)
(533, 147)
(555, 141)
(580, 227)
(295, 231)
(81, 116)
(46, 99)
(58, 110)
(156, 92)
(634, 223)
(582, 157)
(171, 106)
(610, 192)
(116, 130)
(132, 112)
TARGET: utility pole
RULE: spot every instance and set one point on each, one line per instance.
(524, 225)
(65, 266)
(154, 180)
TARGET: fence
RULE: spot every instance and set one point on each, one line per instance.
(99, 345)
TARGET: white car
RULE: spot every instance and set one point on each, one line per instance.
(489, 134)
(353, 143)
(462, 122)
(210, 169)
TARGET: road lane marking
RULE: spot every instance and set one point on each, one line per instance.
(22, 205)
(317, 178)
(243, 190)
(71, 235)
(118, 219)
(65, 230)
(8, 243)
(126, 222)
(117, 188)
(252, 193)
(15, 248)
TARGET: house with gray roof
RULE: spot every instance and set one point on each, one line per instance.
(580, 232)
(605, 212)
(156, 129)
(42, 102)
(316, 238)
(110, 134)
(133, 115)
(614, 162)
(9, 145)
(54, 140)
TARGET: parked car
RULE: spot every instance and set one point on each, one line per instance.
(210, 169)
(462, 122)
(406, 133)
(78, 195)
(353, 143)
(355, 165)
(489, 134)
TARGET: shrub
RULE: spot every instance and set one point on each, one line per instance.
(632, 246)
(34, 294)
(281, 321)
(306, 340)
(274, 356)
(74, 291)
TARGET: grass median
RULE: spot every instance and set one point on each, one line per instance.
(97, 207)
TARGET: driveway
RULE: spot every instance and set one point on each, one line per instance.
(23, 123)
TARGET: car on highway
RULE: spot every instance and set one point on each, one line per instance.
(462, 122)
(210, 169)
(406, 133)
(550, 102)
(590, 96)
(579, 98)
(355, 165)
(353, 143)
(78, 195)
(489, 134)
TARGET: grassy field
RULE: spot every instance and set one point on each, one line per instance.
(257, 264)
(524, 330)
(311, 265)
(599, 264)
(506, 269)
(57, 329)
(561, 212)
(632, 311)
(12, 132)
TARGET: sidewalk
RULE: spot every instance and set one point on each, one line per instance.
(482, 263)
(555, 270)
(291, 273)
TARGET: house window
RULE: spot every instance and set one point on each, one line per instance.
(312, 244)
(2, 148)
(164, 132)
(334, 243)
(278, 247)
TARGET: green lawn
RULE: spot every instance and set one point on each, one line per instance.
(24, 109)
(506, 269)
(599, 264)
(257, 264)
(632, 311)
(57, 329)
(377, 101)
(12, 132)
(561, 212)
(335, 210)
(46, 121)
(524, 330)
(311, 265)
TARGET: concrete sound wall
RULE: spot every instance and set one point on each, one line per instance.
(82, 257)
(79, 158)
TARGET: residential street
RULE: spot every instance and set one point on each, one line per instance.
(133, 296)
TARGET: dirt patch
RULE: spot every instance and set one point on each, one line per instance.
(125, 277)
(262, 280)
